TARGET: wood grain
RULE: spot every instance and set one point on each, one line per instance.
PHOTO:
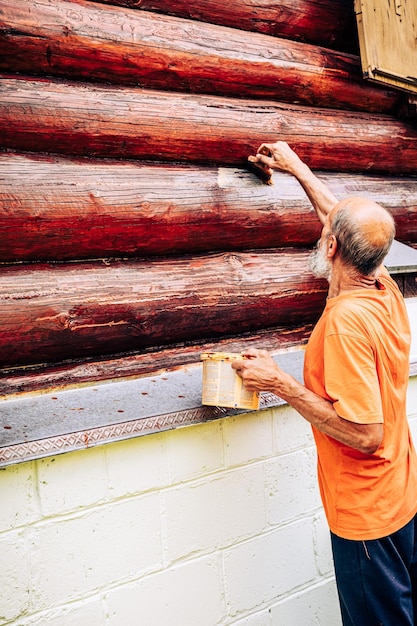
(147, 362)
(51, 313)
(98, 121)
(80, 209)
(82, 40)
(327, 22)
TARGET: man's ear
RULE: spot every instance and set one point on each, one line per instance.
(331, 246)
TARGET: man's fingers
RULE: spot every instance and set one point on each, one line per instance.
(254, 352)
(262, 160)
(265, 149)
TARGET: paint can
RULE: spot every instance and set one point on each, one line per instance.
(222, 386)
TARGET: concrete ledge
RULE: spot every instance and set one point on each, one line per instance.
(38, 425)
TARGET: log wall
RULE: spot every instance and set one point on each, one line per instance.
(126, 208)
(330, 24)
(96, 121)
(162, 52)
(125, 133)
(89, 309)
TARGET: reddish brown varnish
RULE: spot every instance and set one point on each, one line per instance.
(69, 209)
(56, 312)
(327, 22)
(90, 42)
(152, 361)
(99, 121)
(58, 209)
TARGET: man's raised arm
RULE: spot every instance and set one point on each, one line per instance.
(279, 156)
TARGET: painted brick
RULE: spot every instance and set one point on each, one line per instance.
(290, 430)
(137, 465)
(259, 571)
(291, 486)
(262, 618)
(190, 594)
(322, 545)
(77, 556)
(71, 481)
(195, 451)
(56, 570)
(218, 512)
(317, 606)
(14, 576)
(248, 437)
(19, 499)
(89, 613)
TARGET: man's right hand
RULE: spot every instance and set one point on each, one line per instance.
(277, 156)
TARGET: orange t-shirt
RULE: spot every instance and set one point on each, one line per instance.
(358, 358)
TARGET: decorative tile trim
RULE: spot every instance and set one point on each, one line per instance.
(51, 446)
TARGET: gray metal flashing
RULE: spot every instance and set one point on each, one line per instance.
(38, 425)
(401, 259)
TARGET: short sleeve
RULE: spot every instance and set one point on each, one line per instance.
(351, 378)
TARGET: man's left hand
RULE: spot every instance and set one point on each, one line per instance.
(258, 370)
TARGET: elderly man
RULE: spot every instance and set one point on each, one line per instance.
(356, 375)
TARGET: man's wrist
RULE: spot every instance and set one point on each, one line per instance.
(287, 387)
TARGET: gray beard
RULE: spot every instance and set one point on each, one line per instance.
(319, 263)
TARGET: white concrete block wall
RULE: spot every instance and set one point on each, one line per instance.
(218, 524)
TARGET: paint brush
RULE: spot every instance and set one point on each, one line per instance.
(263, 172)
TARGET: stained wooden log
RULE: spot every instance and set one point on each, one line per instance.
(70, 209)
(86, 120)
(162, 52)
(24, 379)
(57, 312)
(325, 22)
(407, 284)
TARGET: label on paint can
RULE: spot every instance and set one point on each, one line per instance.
(222, 386)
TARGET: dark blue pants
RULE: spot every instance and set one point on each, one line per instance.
(377, 580)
